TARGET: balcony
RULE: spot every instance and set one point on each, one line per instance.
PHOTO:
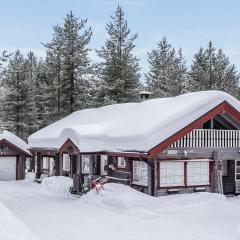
(209, 138)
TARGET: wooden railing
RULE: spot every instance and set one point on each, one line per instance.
(209, 138)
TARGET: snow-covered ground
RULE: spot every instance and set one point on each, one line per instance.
(46, 212)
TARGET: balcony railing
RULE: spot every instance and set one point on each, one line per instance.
(202, 138)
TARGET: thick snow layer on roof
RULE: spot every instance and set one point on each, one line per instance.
(129, 126)
(18, 142)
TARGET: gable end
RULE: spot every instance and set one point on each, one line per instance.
(224, 106)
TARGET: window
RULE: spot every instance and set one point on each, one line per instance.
(45, 163)
(66, 162)
(237, 170)
(121, 162)
(85, 163)
(198, 173)
(104, 163)
(27, 164)
(171, 173)
(140, 173)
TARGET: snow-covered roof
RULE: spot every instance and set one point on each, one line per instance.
(145, 92)
(18, 142)
(129, 126)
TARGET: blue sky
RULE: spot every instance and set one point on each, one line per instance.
(186, 23)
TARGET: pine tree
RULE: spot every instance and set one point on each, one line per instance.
(168, 72)
(211, 70)
(41, 95)
(119, 70)
(15, 96)
(53, 83)
(181, 75)
(69, 64)
(30, 105)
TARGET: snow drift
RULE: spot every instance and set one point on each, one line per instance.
(12, 228)
(118, 213)
(59, 184)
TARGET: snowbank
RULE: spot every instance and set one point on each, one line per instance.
(58, 184)
(118, 213)
(29, 177)
(122, 127)
(12, 228)
(121, 198)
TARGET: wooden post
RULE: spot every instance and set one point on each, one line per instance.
(60, 162)
(56, 165)
(32, 163)
(77, 176)
(39, 165)
(74, 164)
(216, 181)
(154, 177)
(21, 167)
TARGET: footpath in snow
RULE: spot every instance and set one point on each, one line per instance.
(46, 211)
(12, 228)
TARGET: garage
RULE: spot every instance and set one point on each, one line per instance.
(13, 155)
(7, 168)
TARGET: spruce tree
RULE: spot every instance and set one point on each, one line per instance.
(41, 95)
(119, 70)
(181, 75)
(30, 105)
(168, 72)
(212, 70)
(15, 98)
(69, 64)
(53, 82)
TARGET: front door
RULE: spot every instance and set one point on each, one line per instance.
(228, 176)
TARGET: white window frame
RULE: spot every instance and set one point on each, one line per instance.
(85, 162)
(171, 173)
(66, 162)
(199, 172)
(140, 173)
(121, 162)
(237, 167)
(45, 163)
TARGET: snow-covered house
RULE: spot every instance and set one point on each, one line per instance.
(182, 144)
(13, 154)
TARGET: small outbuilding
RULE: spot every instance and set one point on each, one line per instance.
(13, 155)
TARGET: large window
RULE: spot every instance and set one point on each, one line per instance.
(171, 173)
(27, 164)
(198, 173)
(140, 173)
(45, 163)
(66, 162)
(85, 164)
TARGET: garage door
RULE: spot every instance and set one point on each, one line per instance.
(7, 168)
